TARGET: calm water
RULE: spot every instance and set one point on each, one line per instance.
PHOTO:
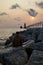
(6, 32)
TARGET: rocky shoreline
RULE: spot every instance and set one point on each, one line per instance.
(31, 54)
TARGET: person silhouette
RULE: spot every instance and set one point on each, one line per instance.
(18, 40)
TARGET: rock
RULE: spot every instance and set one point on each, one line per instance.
(36, 46)
(40, 37)
(13, 56)
(0, 64)
(36, 58)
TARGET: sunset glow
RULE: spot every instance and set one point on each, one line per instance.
(33, 18)
(14, 12)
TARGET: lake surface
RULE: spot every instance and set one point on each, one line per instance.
(6, 32)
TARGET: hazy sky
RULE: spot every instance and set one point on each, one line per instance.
(14, 13)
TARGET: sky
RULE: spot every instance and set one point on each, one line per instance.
(14, 13)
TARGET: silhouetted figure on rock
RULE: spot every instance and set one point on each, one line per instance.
(18, 40)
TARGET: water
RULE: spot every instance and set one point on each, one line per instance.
(6, 32)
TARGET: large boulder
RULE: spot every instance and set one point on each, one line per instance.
(36, 58)
(13, 56)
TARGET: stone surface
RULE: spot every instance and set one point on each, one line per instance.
(13, 56)
(36, 46)
(40, 37)
(0, 64)
(36, 58)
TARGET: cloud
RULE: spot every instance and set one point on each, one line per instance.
(3, 13)
(32, 12)
(15, 6)
(40, 4)
(18, 19)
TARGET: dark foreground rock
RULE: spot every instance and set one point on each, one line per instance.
(13, 56)
(36, 58)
